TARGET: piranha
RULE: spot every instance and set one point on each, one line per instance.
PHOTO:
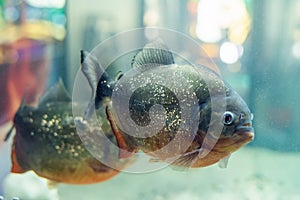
(46, 142)
(155, 59)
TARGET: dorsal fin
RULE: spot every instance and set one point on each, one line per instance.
(153, 54)
(91, 69)
(56, 93)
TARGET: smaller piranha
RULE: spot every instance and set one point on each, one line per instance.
(46, 142)
(155, 59)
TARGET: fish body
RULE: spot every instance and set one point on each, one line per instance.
(156, 60)
(46, 141)
(232, 137)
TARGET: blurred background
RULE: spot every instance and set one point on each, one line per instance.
(255, 43)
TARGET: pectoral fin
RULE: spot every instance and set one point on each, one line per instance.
(125, 151)
(186, 160)
(16, 167)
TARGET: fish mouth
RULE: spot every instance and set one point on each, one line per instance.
(245, 131)
(242, 135)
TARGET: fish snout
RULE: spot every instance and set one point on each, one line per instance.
(246, 131)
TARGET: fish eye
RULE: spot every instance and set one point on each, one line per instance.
(228, 118)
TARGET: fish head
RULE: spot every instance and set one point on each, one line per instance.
(236, 123)
(220, 131)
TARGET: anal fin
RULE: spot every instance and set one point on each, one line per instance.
(223, 163)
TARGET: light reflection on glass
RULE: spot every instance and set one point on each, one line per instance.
(230, 52)
(47, 3)
(11, 14)
(219, 19)
(296, 50)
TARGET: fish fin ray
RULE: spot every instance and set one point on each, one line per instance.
(97, 166)
(125, 151)
(56, 93)
(153, 54)
(16, 167)
(92, 70)
(170, 161)
(185, 161)
(8, 134)
(88, 112)
(223, 163)
(155, 160)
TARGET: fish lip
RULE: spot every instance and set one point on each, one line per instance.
(245, 127)
(245, 132)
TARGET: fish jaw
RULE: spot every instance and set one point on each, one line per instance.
(234, 142)
(224, 147)
(245, 136)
